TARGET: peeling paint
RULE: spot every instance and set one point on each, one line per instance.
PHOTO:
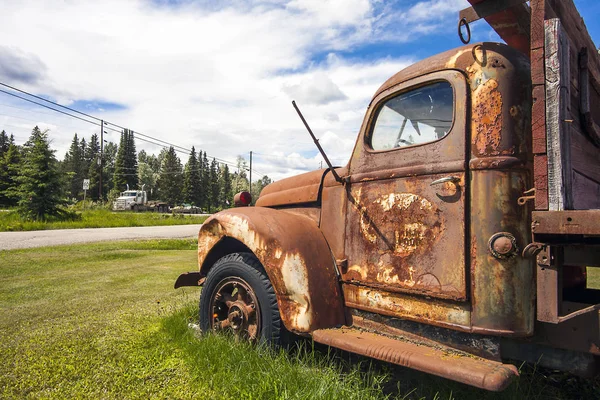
(295, 277)
(487, 118)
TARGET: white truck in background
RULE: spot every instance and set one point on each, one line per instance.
(137, 200)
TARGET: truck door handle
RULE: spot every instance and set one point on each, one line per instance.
(453, 179)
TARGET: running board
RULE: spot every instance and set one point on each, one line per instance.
(438, 360)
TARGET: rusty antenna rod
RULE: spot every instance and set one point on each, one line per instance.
(335, 174)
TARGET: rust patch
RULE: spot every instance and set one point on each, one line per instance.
(417, 226)
(487, 118)
(294, 254)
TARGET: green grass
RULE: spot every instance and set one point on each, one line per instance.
(98, 218)
(103, 321)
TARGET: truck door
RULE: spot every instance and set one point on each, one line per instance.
(405, 226)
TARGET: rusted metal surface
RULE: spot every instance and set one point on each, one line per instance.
(450, 314)
(439, 360)
(299, 189)
(405, 230)
(314, 212)
(501, 288)
(420, 333)
(398, 231)
(549, 287)
(581, 222)
(189, 279)
(234, 308)
(294, 254)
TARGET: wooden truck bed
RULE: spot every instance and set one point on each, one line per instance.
(565, 73)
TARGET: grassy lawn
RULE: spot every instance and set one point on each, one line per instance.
(103, 321)
(99, 218)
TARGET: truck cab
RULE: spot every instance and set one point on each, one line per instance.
(130, 200)
(436, 240)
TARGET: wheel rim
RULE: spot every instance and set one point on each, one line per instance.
(234, 308)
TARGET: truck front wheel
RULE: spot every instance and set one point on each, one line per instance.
(238, 297)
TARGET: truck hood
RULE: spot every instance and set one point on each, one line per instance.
(300, 189)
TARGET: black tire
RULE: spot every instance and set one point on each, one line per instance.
(241, 269)
(135, 208)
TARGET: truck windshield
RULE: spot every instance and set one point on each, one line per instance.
(418, 116)
(129, 194)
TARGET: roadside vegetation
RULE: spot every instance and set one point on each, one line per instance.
(39, 187)
(97, 218)
(103, 321)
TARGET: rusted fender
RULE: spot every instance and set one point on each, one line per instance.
(295, 256)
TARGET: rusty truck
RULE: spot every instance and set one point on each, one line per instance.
(460, 234)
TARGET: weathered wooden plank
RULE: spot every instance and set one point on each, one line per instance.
(584, 156)
(540, 181)
(538, 109)
(558, 123)
(576, 30)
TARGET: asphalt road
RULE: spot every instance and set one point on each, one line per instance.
(24, 240)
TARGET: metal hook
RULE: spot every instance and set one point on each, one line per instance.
(461, 23)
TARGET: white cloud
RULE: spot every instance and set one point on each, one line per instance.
(217, 78)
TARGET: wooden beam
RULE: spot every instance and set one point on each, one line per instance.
(512, 24)
(558, 135)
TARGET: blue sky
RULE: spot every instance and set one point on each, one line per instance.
(220, 76)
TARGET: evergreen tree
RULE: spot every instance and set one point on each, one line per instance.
(9, 171)
(126, 163)
(131, 164)
(73, 168)
(205, 182)
(39, 187)
(4, 143)
(170, 181)
(119, 177)
(92, 162)
(110, 155)
(226, 195)
(85, 163)
(191, 180)
(213, 185)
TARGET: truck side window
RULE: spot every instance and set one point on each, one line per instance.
(418, 116)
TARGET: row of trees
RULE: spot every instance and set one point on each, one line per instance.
(201, 182)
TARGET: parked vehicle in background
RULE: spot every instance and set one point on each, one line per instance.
(457, 236)
(137, 201)
(186, 209)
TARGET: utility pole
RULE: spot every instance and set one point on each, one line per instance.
(250, 172)
(101, 158)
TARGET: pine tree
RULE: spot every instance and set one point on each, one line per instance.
(4, 143)
(126, 163)
(9, 171)
(191, 180)
(226, 195)
(85, 163)
(110, 156)
(39, 187)
(170, 181)
(213, 186)
(73, 167)
(204, 181)
(131, 164)
(92, 162)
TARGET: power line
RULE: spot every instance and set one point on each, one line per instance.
(50, 108)
(223, 161)
(49, 101)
